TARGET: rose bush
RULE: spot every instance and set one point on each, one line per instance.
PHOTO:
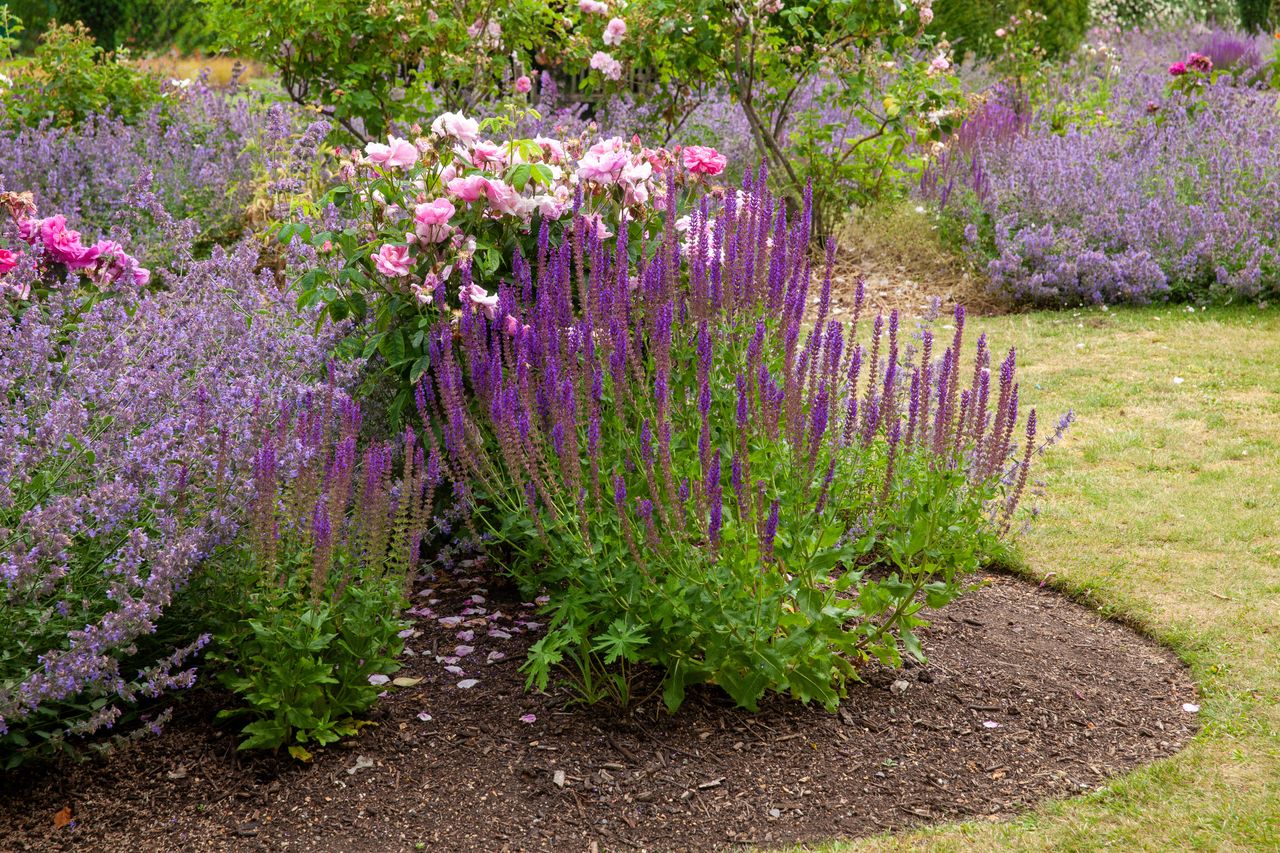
(417, 229)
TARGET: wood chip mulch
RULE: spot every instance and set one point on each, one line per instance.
(1026, 696)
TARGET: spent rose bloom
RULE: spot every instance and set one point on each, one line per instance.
(116, 265)
(393, 261)
(482, 299)
(606, 65)
(457, 126)
(702, 160)
(614, 31)
(397, 153)
(524, 85)
(8, 260)
(1199, 62)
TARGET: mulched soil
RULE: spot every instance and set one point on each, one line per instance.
(1026, 696)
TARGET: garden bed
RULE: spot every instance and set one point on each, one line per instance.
(1026, 696)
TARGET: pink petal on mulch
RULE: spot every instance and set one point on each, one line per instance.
(529, 718)
(455, 670)
(463, 651)
(499, 634)
(468, 683)
(467, 635)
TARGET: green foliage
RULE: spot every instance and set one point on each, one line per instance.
(140, 24)
(971, 25)
(302, 664)
(70, 77)
(1256, 16)
(367, 64)
(835, 92)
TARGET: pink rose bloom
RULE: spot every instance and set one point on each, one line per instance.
(702, 160)
(1177, 69)
(457, 126)
(926, 16)
(614, 31)
(552, 149)
(524, 85)
(940, 64)
(592, 7)
(549, 206)
(397, 153)
(469, 189)
(502, 196)
(8, 260)
(393, 261)
(431, 220)
(63, 244)
(486, 153)
(482, 299)
(606, 65)
(603, 167)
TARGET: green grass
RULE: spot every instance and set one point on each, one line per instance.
(1163, 509)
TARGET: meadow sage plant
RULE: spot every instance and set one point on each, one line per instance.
(707, 478)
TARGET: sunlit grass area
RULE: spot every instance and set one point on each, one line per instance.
(1163, 509)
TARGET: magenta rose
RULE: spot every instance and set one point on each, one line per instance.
(8, 260)
(1177, 69)
(702, 160)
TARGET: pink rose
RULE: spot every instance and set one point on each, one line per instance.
(486, 153)
(552, 149)
(606, 65)
(457, 126)
(393, 261)
(1199, 62)
(603, 167)
(502, 196)
(702, 160)
(1177, 69)
(926, 16)
(397, 153)
(524, 85)
(469, 189)
(63, 244)
(431, 220)
(593, 7)
(482, 299)
(8, 260)
(614, 31)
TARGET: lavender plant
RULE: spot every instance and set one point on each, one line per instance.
(127, 427)
(705, 485)
(309, 625)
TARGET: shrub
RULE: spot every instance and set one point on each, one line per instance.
(309, 600)
(70, 78)
(369, 64)
(700, 486)
(1255, 15)
(127, 420)
(411, 219)
(971, 24)
(836, 95)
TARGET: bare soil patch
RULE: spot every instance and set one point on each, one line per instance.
(1026, 696)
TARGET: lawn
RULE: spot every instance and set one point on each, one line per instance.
(1164, 513)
